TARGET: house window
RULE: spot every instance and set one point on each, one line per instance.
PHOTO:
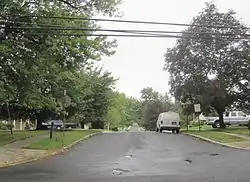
(241, 113)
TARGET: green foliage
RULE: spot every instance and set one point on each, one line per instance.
(193, 61)
(123, 111)
(37, 65)
(152, 104)
(196, 124)
(6, 138)
(3, 126)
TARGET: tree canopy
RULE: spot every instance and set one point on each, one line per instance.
(152, 104)
(38, 65)
(208, 64)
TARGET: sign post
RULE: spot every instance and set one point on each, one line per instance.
(51, 130)
(248, 125)
(197, 109)
(185, 106)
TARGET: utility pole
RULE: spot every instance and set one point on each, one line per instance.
(64, 108)
(66, 101)
(10, 123)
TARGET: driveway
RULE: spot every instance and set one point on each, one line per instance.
(137, 156)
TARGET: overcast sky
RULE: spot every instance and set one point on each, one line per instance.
(139, 62)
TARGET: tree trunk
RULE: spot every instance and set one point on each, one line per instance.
(10, 122)
(221, 120)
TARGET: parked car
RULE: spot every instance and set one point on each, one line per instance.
(230, 118)
(58, 124)
(70, 125)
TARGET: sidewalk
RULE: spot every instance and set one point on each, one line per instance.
(14, 152)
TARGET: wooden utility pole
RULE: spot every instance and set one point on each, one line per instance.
(9, 119)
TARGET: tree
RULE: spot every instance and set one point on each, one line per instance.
(153, 104)
(123, 111)
(132, 111)
(37, 64)
(208, 65)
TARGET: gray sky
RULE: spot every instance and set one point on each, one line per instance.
(139, 62)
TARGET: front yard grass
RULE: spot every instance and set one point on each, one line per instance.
(6, 137)
(219, 136)
(237, 130)
(60, 140)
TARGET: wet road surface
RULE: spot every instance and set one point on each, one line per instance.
(137, 156)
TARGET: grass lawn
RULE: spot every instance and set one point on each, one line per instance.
(219, 136)
(59, 140)
(196, 128)
(6, 138)
(242, 130)
(237, 130)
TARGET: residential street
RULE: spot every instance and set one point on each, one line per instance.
(137, 156)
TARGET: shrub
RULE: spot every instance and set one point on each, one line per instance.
(197, 123)
(3, 126)
(114, 129)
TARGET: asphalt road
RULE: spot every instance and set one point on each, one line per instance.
(137, 156)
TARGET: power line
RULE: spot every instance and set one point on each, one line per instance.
(102, 35)
(89, 30)
(60, 27)
(133, 21)
(148, 33)
(118, 35)
(126, 31)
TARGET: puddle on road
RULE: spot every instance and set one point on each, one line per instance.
(204, 153)
(118, 172)
(200, 153)
(188, 160)
(128, 156)
(213, 154)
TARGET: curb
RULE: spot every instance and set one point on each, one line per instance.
(49, 153)
(215, 142)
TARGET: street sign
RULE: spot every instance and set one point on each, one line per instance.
(197, 108)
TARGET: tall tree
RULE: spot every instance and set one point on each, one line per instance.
(208, 64)
(123, 111)
(153, 104)
(37, 64)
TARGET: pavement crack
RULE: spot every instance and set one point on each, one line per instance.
(128, 156)
(188, 160)
(118, 172)
(213, 154)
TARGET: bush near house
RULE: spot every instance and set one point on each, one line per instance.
(3, 126)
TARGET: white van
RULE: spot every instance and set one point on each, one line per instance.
(168, 121)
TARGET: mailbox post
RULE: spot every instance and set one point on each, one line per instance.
(248, 125)
(51, 130)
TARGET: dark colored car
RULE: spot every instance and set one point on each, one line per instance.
(70, 125)
(58, 124)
